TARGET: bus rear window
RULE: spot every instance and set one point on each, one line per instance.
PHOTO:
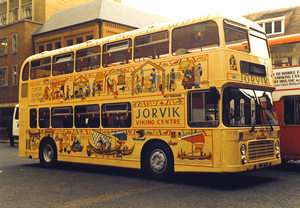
(151, 46)
(117, 53)
(88, 59)
(40, 68)
(25, 74)
(195, 38)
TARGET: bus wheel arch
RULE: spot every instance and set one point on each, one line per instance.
(48, 152)
(157, 160)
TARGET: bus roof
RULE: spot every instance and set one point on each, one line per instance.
(144, 31)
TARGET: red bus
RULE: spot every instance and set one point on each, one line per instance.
(286, 62)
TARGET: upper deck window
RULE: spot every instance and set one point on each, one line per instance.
(63, 64)
(236, 36)
(88, 59)
(195, 38)
(25, 74)
(117, 53)
(259, 44)
(40, 68)
(151, 46)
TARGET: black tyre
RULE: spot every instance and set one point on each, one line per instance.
(158, 161)
(48, 153)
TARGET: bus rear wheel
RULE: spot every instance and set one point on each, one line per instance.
(48, 153)
(158, 161)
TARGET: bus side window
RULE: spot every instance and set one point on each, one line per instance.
(44, 118)
(87, 59)
(62, 117)
(40, 68)
(116, 115)
(87, 116)
(195, 38)
(63, 64)
(25, 73)
(151, 46)
(33, 118)
(203, 109)
(291, 110)
(117, 53)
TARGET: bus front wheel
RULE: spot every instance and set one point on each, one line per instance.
(48, 153)
(159, 161)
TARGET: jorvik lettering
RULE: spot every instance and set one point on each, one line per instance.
(250, 79)
(170, 112)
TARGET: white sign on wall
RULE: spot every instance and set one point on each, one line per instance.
(287, 78)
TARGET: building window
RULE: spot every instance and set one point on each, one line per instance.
(49, 47)
(79, 40)
(27, 10)
(273, 26)
(3, 46)
(14, 75)
(3, 77)
(14, 15)
(57, 45)
(41, 48)
(3, 18)
(14, 47)
(89, 37)
(70, 42)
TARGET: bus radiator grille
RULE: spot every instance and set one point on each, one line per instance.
(262, 149)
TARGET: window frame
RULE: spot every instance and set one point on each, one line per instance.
(5, 51)
(88, 56)
(108, 49)
(67, 115)
(88, 116)
(14, 43)
(212, 114)
(200, 47)
(4, 81)
(61, 57)
(152, 43)
(106, 113)
(14, 79)
(263, 23)
(47, 64)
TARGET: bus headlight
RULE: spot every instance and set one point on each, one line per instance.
(243, 149)
(244, 160)
(277, 145)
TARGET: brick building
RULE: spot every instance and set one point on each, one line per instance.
(33, 26)
(18, 19)
(100, 18)
(283, 30)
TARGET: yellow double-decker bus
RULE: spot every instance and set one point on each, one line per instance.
(190, 96)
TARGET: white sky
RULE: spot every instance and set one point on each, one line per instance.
(183, 9)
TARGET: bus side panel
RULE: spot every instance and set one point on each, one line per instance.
(23, 118)
(290, 135)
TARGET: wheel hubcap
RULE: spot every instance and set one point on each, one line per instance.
(48, 153)
(158, 161)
